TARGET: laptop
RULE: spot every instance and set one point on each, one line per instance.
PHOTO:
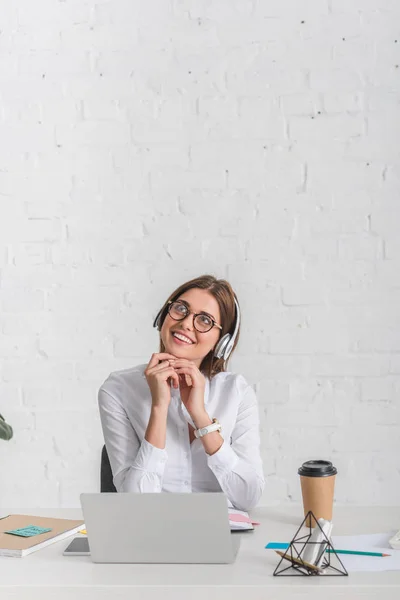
(159, 528)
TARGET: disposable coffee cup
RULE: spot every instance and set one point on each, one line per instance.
(317, 478)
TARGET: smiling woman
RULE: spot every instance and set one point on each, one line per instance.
(183, 423)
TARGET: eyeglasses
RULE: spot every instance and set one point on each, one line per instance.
(201, 321)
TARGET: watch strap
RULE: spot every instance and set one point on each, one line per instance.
(202, 431)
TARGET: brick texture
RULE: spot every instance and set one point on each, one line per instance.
(143, 143)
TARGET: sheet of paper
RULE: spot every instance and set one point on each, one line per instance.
(376, 542)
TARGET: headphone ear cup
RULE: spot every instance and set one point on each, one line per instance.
(220, 348)
(157, 320)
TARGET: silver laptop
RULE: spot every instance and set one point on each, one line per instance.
(159, 528)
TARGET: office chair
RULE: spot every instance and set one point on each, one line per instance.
(106, 476)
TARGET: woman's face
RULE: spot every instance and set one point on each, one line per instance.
(199, 301)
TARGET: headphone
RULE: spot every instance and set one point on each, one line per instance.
(225, 344)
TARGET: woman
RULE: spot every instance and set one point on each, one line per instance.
(182, 423)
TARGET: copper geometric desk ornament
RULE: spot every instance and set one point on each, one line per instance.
(330, 564)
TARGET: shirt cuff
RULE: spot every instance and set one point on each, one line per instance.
(223, 459)
(151, 459)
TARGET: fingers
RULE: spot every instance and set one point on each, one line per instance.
(174, 378)
(186, 379)
(174, 382)
(157, 357)
(162, 365)
(186, 374)
(166, 373)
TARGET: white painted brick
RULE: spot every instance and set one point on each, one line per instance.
(311, 440)
(258, 270)
(15, 493)
(4, 256)
(16, 347)
(42, 276)
(364, 247)
(340, 80)
(303, 293)
(362, 438)
(68, 254)
(30, 254)
(95, 371)
(21, 421)
(142, 144)
(276, 489)
(84, 299)
(257, 78)
(296, 10)
(75, 347)
(355, 49)
(213, 11)
(259, 118)
(27, 137)
(41, 395)
(11, 397)
(271, 367)
(33, 230)
(177, 179)
(272, 391)
(305, 104)
(339, 103)
(326, 221)
(306, 341)
(324, 127)
(21, 300)
(21, 371)
(20, 324)
(225, 248)
(382, 100)
(126, 346)
(93, 133)
(350, 366)
(381, 390)
(346, 178)
(364, 415)
(378, 340)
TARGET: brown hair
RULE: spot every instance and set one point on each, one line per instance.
(225, 296)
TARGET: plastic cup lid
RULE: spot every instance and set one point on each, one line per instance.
(317, 468)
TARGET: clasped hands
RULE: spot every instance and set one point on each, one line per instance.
(165, 371)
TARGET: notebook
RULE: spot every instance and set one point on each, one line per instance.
(239, 520)
(18, 545)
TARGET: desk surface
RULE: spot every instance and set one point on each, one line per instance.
(47, 574)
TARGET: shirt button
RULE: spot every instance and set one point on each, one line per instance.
(186, 483)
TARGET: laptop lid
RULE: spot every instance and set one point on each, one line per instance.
(159, 528)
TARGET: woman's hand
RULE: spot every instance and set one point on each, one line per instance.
(192, 385)
(160, 375)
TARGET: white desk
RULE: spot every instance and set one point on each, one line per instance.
(47, 575)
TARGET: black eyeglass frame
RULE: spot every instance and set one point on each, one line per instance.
(188, 312)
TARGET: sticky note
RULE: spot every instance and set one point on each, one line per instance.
(277, 546)
(83, 531)
(238, 518)
(28, 531)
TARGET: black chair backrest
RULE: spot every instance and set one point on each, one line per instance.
(106, 476)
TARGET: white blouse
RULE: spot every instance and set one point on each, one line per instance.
(138, 466)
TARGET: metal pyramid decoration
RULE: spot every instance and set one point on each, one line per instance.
(329, 563)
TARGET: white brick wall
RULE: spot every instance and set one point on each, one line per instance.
(143, 143)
